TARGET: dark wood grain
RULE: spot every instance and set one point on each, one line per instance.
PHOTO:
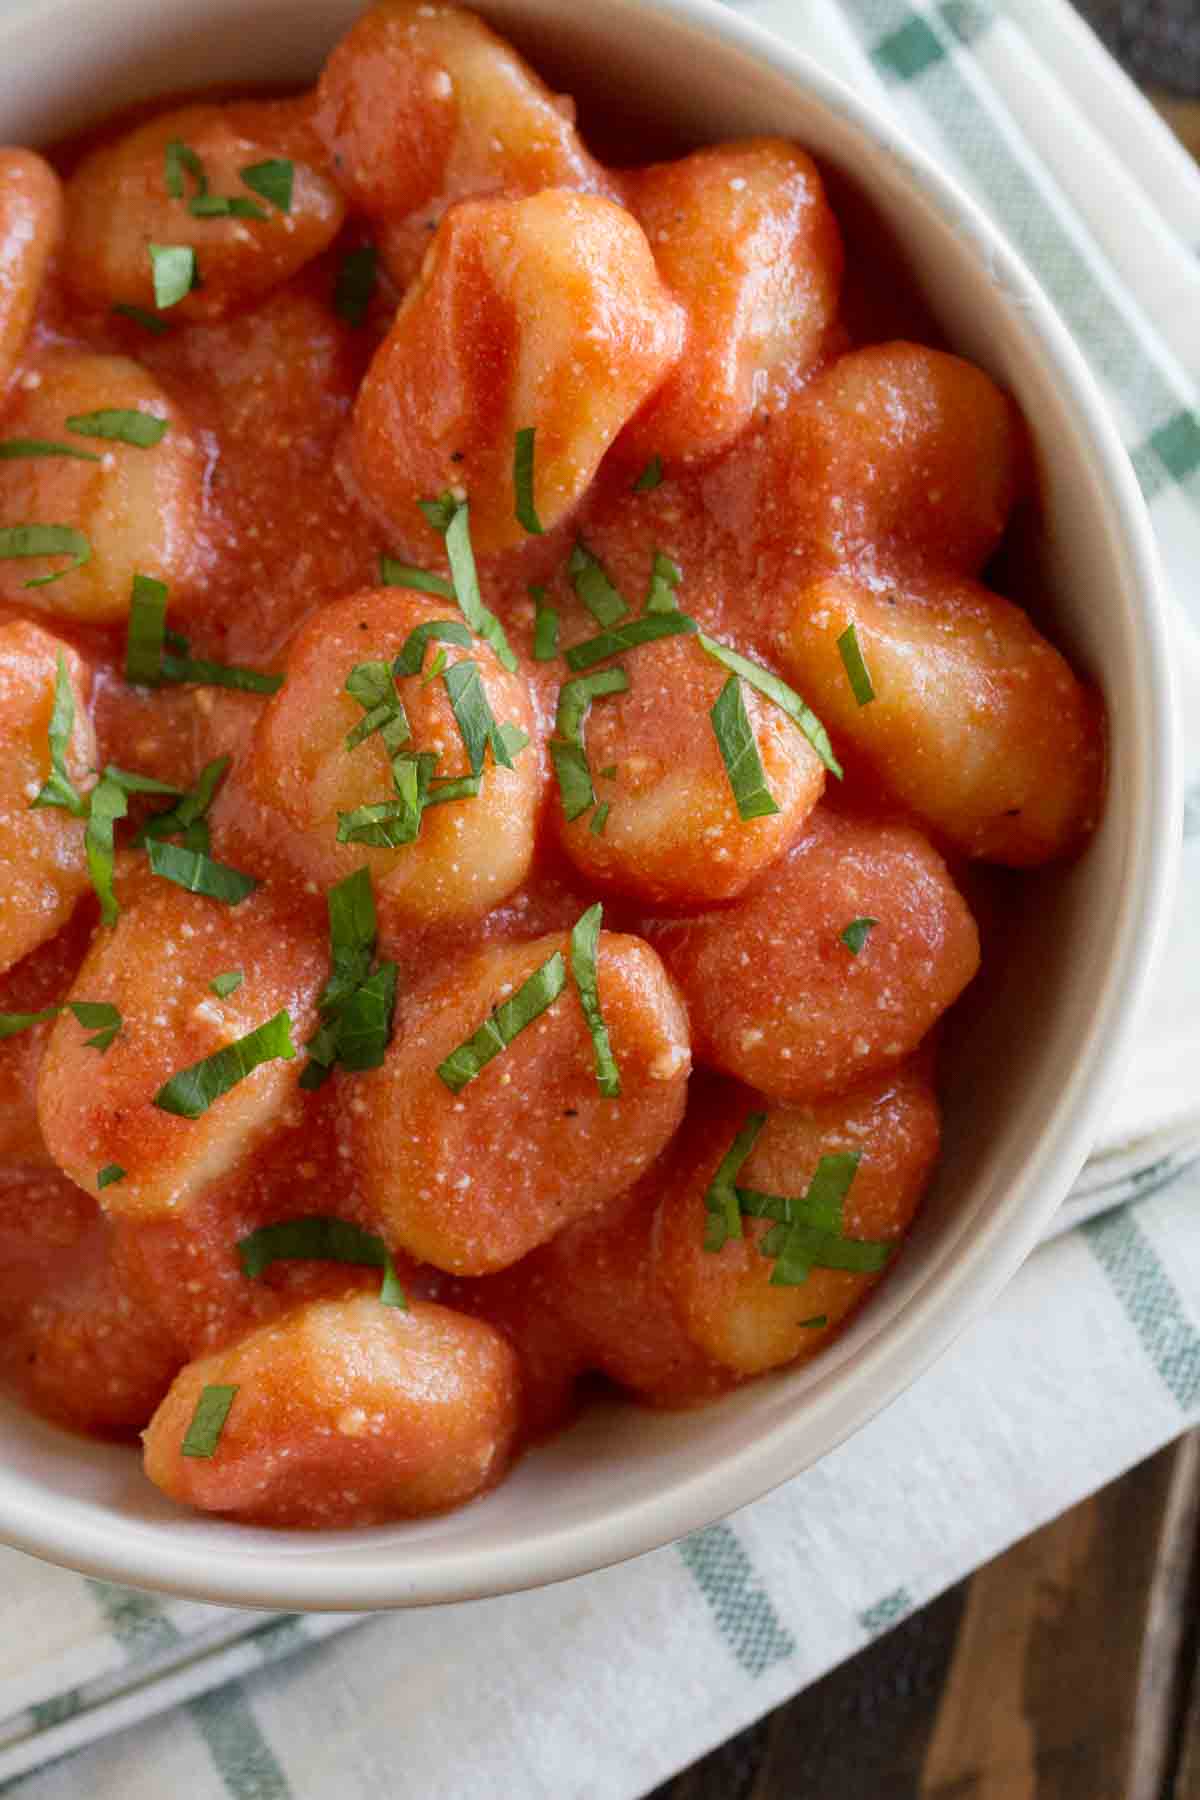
(1061, 1671)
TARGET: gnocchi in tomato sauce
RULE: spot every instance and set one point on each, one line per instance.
(504, 678)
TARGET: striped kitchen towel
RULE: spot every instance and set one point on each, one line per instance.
(1090, 1361)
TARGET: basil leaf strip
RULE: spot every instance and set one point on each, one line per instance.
(16, 449)
(191, 1092)
(739, 752)
(567, 751)
(474, 717)
(108, 1174)
(193, 870)
(174, 271)
(592, 583)
(523, 475)
(208, 1421)
(784, 697)
(146, 632)
(181, 820)
(665, 577)
(354, 286)
(224, 985)
(584, 941)
(442, 631)
(661, 624)
(857, 673)
(107, 803)
(139, 316)
(317, 1238)
(58, 789)
(99, 1016)
(721, 1200)
(406, 575)
(45, 540)
(463, 573)
(856, 934)
(650, 477)
(121, 425)
(545, 627)
(273, 179)
(501, 1026)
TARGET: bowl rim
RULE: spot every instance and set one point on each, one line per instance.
(322, 1576)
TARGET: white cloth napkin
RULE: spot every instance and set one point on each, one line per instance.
(604, 1686)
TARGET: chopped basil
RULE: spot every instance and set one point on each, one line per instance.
(665, 577)
(318, 1238)
(99, 1016)
(575, 697)
(584, 941)
(45, 540)
(856, 934)
(354, 286)
(107, 803)
(174, 270)
(133, 783)
(139, 316)
(739, 752)
(650, 477)
(598, 823)
(356, 1005)
(499, 1029)
(195, 871)
(16, 449)
(628, 636)
(524, 507)
(389, 824)
(58, 789)
(405, 575)
(224, 206)
(12, 1023)
(455, 787)
(815, 1323)
(191, 1092)
(442, 631)
(224, 985)
(364, 1024)
(513, 738)
(721, 1200)
(177, 158)
(567, 751)
(273, 179)
(186, 819)
(121, 425)
(352, 932)
(857, 673)
(208, 1421)
(574, 778)
(810, 1231)
(437, 667)
(474, 717)
(146, 631)
(439, 512)
(371, 684)
(545, 627)
(592, 583)
(180, 667)
(465, 576)
(784, 697)
(108, 1174)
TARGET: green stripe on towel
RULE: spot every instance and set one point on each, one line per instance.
(1150, 1300)
(740, 1605)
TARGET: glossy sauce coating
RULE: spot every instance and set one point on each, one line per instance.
(686, 343)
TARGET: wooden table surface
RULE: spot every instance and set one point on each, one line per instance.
(1068, 1669)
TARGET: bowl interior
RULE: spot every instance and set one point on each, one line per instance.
(1030, 1065)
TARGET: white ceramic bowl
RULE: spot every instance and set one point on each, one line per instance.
(1043, 1040)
